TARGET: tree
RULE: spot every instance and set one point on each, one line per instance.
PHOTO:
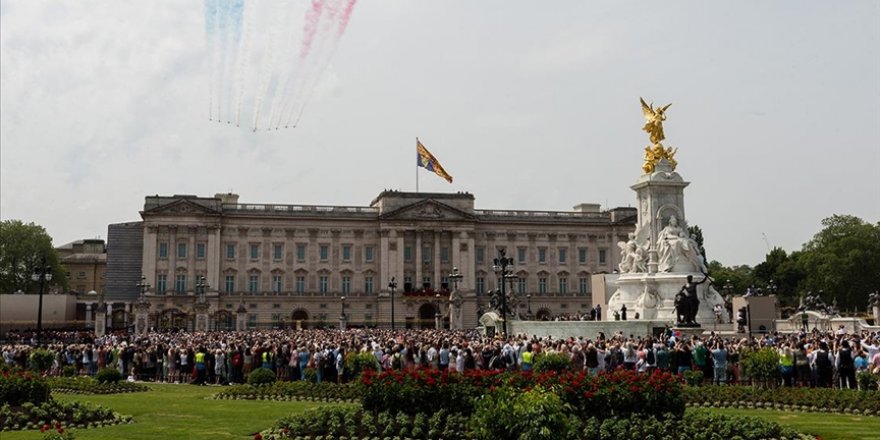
(740, 277)
(843, 259)
(784, 271)
(22, 248)
(697, 234)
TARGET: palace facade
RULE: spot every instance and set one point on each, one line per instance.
(309, 266)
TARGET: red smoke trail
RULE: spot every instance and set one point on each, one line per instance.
(346, 15)
(313, 16)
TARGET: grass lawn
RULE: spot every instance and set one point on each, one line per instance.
(829, 426)
(179, 412)
(187, 412)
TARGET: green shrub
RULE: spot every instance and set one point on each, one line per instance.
(65, 414)
(68, 371)
(41, 360)
(557, 362)
(261, 376)
(801, 398)
(88, 385)
(108, 375)
(761, 365)
(507, 413)
(867, 380)
(693, 378)
(357, 363)
(19, 387)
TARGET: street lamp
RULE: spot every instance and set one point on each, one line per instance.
(201, 287)
(342, 316)
(455, 277)
(504, 267)
(391, 286)
(529, 299)
(437, 313)
(144, 287)
(42, 273)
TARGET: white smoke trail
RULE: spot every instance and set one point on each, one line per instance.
(268, 69)
(244, 52)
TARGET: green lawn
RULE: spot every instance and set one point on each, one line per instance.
(187, 412)
(829, 426)
(179, 412)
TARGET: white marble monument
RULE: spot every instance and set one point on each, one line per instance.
(657, 259)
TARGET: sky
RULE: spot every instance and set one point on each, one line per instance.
(528, 105)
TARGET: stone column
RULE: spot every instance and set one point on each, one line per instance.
(418, 281)
(877, 315)
(213, 257)
(342, 322)
(149, 254)
(436, 262)
(88, 312)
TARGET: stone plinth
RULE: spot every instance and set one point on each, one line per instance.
(201, 309)
(241, 318)
(141, 317)
(652, 296)
(876, 315)
(100, 322)
(587, 329)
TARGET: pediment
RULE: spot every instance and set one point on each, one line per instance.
(430, 210)
(181, 207)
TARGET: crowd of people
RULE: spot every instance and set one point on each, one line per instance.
(822, 359)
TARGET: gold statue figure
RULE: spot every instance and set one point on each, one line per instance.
(654, 120)
(654, 127)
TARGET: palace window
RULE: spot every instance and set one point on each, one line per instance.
(230, 251)
(277, 251)
(161, 283)
(563, 254)
(582, 255)
(368, 254)
(542, 255)
(200, 251)
(602, 253)
(521, 255)
(323, 284)
(481, 254)
(563, 285)
(346, 252)
(181, 250)
(324, 252)
(301, 253)
(346, 285)
(542, 286)
(368, 285)
(180, 286)
(521, 285)
(444, 254)
(481, 285)
(230, 283)
(583, 285)
(407, 253)
(255, 251)
(277, 285)
(300, 284)
(163, 250)
(253, 283)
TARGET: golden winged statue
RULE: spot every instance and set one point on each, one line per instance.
(654, 120)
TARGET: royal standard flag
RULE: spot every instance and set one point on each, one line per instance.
(427, 161)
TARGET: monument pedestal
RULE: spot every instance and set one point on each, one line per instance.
(141, 316)
(241, 318)
(100, 322)
(201, 309)
(877, 315)
(342, 322)
(652, 296)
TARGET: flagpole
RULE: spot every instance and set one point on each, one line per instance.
(417, 166)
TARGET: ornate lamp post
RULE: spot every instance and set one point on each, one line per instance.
(42, 273)
(201, 287)
(504, 268)
(772, 288)
(391, 286)
(455, 277)
(342, 316)
(437, 313)
(144, 286)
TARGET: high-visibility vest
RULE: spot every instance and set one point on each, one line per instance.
(200, 358)
(265, 356)
(527, 357)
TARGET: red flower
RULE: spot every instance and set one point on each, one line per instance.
(258, 436)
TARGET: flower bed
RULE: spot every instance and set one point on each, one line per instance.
(354, 423)
(608, 394)
(88, 385)
(72, 414)
(299, 390)
(792, 399)
(28, 404)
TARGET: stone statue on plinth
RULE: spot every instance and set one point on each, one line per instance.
(687, 302)
(674, 244)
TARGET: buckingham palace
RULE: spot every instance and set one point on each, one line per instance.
(393, 262)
